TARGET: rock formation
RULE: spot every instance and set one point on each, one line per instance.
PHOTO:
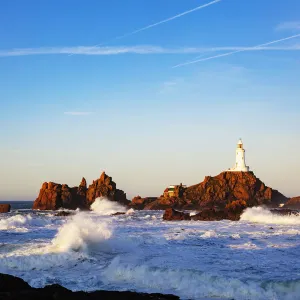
(220, 191)
(293, 203)
(230, 186)
(105, 187)
(139, 203)
(4, 208)
(53, 196)
(173, 215)
(12, 288)
(232, 211)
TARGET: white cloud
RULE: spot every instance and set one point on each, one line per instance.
(288, 26)
(139, 49)
(78, 113)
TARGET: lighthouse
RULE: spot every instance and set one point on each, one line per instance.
(240, 164)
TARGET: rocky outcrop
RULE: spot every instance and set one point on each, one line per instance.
(139, 203)
(217, 192)
(105, 187)
(230, 186)
(53, 196)
(173, 215)
(232, 212)
(293, 203)
(4, 208)
(12, 288)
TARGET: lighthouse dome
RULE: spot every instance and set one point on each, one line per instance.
(240, 142)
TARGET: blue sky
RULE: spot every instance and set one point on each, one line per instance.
(81, 92)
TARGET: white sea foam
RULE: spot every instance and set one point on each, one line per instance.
(130, 211)
(20, 222)
(104, 207)
(195, 260)
(209, 234)
(189, 284)
(262, 215)
(80, 233)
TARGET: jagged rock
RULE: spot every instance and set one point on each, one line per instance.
(53, 196)
(230, 186)
(293, 203)
(12, 288)
(173, 215)
(5, 208)
(219, 191)
(105, 187)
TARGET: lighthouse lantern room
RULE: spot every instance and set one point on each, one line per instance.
(240, 164)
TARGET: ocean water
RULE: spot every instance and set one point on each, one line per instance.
(255, 258)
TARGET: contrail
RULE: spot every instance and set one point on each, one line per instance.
(237, 51)
(156, 24)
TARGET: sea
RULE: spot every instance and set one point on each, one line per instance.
(257, 257)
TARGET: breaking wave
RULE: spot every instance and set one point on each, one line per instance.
(104, 207)
(190, 284)
(262, 215)
(20, 222)
(81, 233)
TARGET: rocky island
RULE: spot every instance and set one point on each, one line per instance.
(53, 196)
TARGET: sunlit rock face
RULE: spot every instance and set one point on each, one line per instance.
(53, 196)
(293, 203)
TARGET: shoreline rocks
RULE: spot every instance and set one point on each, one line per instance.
(5, 208)
(293, 203)
(217, 193)
(53, 196)
(12, 287)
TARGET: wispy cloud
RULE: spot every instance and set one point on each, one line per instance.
(156, 24)
(139, 49)
(78, 113)
(288, 26)
(236, 51)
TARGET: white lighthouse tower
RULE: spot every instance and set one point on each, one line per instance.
(240, 164)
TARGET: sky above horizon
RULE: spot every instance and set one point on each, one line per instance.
(153, 92)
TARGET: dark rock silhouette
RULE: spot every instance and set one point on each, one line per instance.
(5, 208)
(12, 288)
(173, 215)
(232, 211)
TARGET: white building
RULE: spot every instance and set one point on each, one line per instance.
(240, 164)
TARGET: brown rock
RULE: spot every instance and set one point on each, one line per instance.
(173, 215)
(210, 214)
(231, 186)
(293, 203)
(4, 208)
(53, 196)
(139, 203)
(105, 187)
